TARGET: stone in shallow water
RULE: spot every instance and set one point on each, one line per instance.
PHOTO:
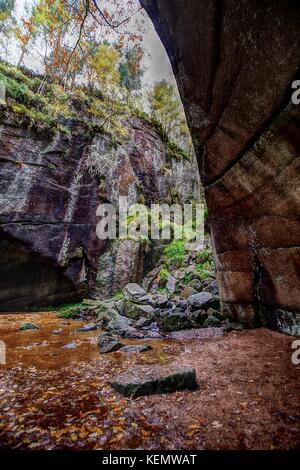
(146, 380)
(28, 326)
(88, 327)
(109, 344)
(136, 348)
(57, 332)
(70, 346)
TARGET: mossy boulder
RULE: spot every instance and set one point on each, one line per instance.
(28, 326)
(176, 321)
(135, 311)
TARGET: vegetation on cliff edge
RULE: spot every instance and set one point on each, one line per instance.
(54, 109)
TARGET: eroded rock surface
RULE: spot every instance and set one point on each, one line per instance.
(49, 194)
(235, 63)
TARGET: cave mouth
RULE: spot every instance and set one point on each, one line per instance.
(30, 282)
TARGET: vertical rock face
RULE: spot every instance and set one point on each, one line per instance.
(49, 248)
(50, 252)
(235, 63)
(141, 170)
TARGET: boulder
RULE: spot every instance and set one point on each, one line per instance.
(119, 324)
(146, 380)
(212, 288)
(199, 316)
(28, 326)
(197, 285)
(135, 293)
(136, 348)
(108, 344)
(233, 327)
(190, 269)
(112, 320)
(171, 284)
(151, 334)
(135, 310)
(187, 292)
(203, 300)
(175, 321)
(179, 274)
(143, 322)
(161, 300)
(133, 333)
(120, 306)
(212, 321)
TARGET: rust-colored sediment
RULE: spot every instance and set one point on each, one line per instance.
(53, 398)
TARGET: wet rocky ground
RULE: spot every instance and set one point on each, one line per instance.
(58, 397)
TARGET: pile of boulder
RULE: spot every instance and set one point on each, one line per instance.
(143, 315)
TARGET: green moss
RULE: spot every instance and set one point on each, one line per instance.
(175, 252)
(204, 255)
(172, 149)
(186, 279)
(119, 295)
(69, 310)
(162, 290)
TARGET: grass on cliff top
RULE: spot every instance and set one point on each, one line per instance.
(48, 107)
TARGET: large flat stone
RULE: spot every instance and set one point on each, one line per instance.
(146, 380)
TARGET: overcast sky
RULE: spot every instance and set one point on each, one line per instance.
(156, 60)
